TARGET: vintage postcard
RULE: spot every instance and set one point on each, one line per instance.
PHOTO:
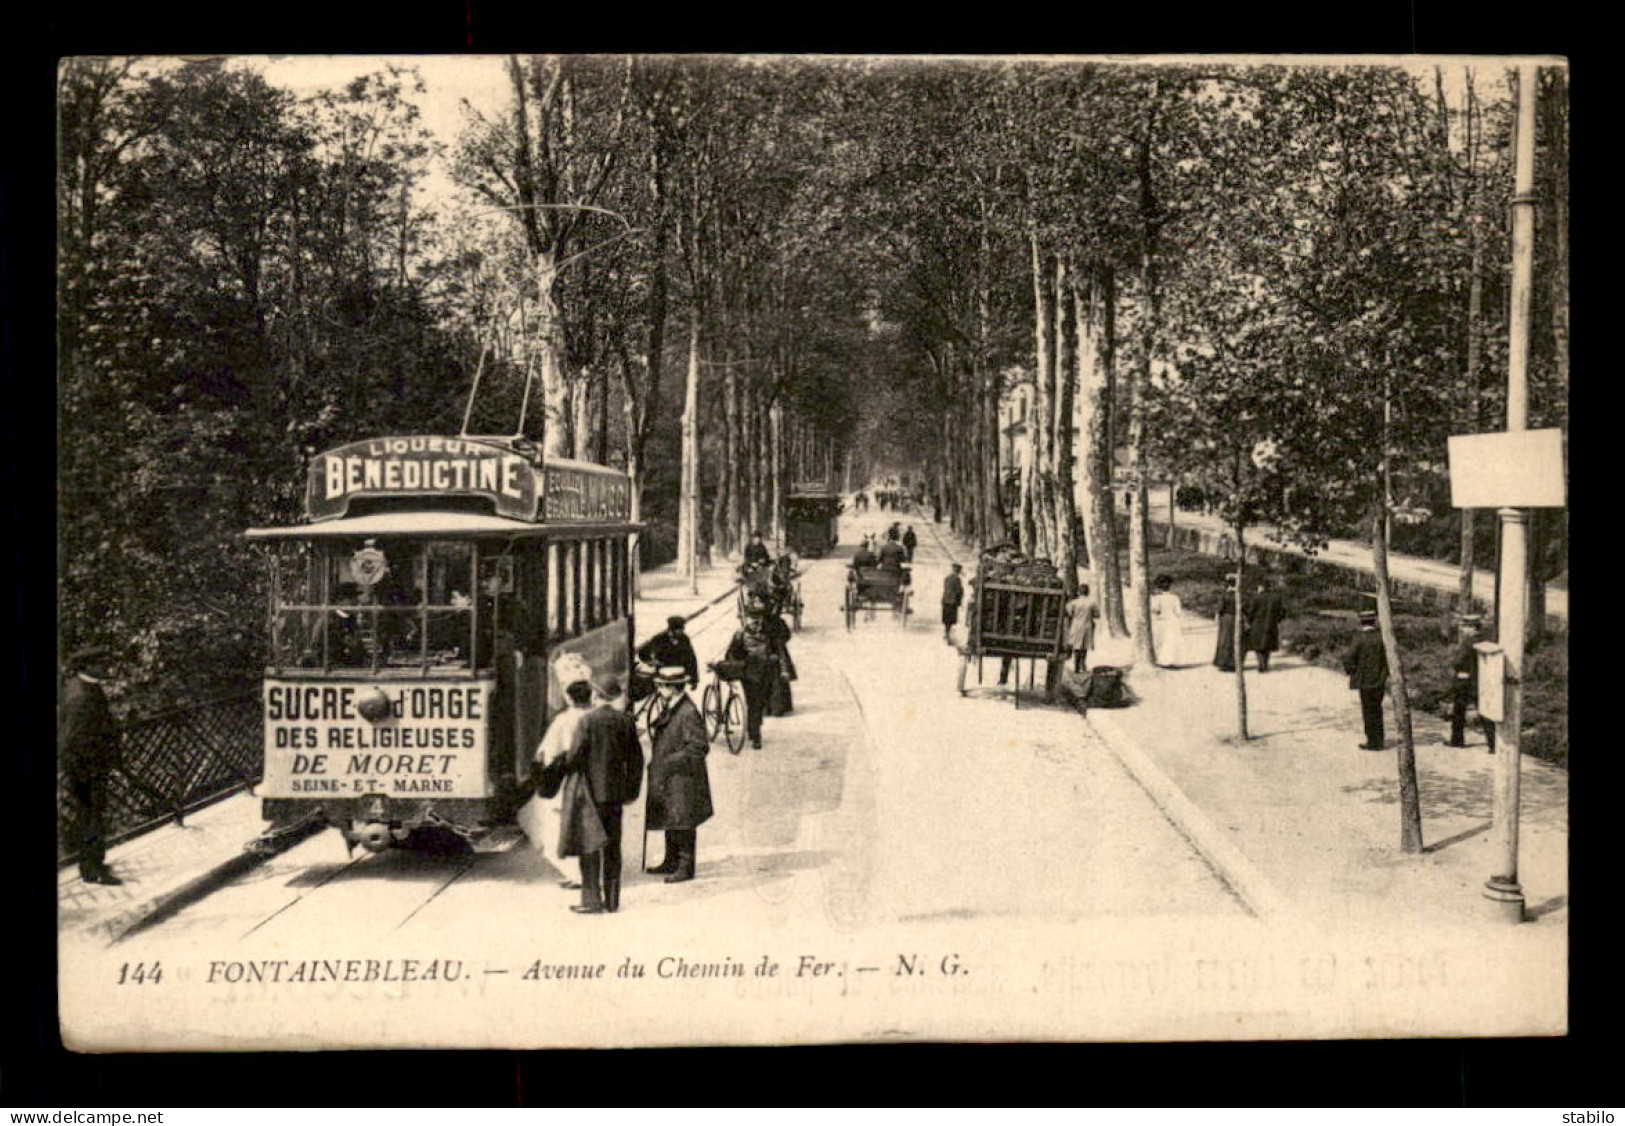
(600, 551)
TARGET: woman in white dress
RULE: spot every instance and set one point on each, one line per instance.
(1167, 624)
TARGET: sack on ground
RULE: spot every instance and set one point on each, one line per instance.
(1104, 688)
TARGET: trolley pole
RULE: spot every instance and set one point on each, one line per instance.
(1502, 888)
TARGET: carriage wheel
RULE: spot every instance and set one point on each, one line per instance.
(643, 713)
(733, 722)
(795, 613)
(711, 709)
(851, 608)
(906, 601)
(964, 667)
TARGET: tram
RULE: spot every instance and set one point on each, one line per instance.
(812, 519)
(416, 622)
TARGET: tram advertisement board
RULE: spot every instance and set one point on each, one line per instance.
(422, 466)
(430, 744)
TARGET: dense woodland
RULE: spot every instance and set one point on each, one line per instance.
(1283, 286)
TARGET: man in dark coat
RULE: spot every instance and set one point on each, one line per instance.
(679, 799)
(892, 555)
(864, 557)
(756, 647)
(756, 553)
(910, 542)
(1366, 662)
(953, 593)
(608, 759)
(1264, 615)
(88, 746)
(1464, 685)
(672, 648)
(780, 700)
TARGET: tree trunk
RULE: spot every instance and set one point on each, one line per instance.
(775, 484)
(1238, 645)
(1097, 350)
(557, 439)
(1475, 304)
(1043, 383)
(1139, 554)
(1410, 809)
(728, 526)
(689, 505)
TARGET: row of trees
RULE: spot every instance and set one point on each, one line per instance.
(1283, 284)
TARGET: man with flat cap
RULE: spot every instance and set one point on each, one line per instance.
(679, 800)
(605, 769)
(88, 746)
(1464, 684)
(1366, 663)
(672, 648)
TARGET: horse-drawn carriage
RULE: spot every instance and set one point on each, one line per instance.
(868, 588)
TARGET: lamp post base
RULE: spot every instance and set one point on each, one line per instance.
(1506, 899)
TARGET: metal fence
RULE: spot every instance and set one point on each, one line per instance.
(175, 762)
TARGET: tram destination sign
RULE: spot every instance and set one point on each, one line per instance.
(422, 466)
(586, 492)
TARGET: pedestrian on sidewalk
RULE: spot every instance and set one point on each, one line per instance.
(604, 769)
(753, 646)
(910, 542)
(1081, 613)
(953, 594)
(88, 747)
(1464, 687)
(679, 800)
(1224, 653)
(780, 700)
(1167, 624)
(548, 771)
(1366, 662)
(1264, 615)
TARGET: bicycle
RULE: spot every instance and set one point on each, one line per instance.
(722, 705)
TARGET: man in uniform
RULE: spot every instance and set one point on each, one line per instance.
(88, 746)
(672, 648)
(679, 787)
(609, 760)
(1366, 662)
(757, 648)
(1464, 687)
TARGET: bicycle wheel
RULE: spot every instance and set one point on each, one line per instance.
(733, 722)
(711, 709)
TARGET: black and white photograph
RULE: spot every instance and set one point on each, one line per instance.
(622, 550)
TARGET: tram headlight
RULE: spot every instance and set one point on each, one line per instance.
(374, 706)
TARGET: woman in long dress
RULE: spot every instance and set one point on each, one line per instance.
(1224, 653)
(1167, 624)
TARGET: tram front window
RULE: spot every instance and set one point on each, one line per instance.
(376, 606)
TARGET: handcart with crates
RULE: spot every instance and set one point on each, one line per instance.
(1017, 615)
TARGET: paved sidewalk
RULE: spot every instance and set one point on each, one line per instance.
(162, 864)
(1311, 821)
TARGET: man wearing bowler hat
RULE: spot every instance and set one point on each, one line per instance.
(88, 746)
(679, 798)
(1366, 662)
(1464, 685)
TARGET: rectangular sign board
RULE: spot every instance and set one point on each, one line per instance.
(1511, 469)
(432, 744)
(1492, 675)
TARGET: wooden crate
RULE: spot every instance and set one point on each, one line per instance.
(1011, 620)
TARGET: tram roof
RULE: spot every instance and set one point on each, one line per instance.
(444, 524)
